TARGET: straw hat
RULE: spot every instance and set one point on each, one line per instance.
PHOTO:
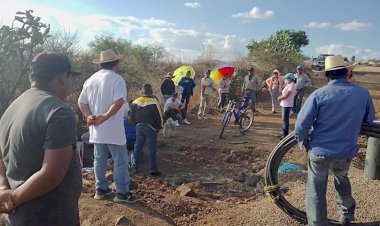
(333, 63)
(169, 75)
(107, 56)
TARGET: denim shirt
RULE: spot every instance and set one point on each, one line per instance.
(335, 112)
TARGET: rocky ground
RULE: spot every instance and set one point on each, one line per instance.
(212, 181)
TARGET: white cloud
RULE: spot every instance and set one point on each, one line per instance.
(193, 5)
(255, 13)
(349, 51)
(353, 26)
(316, 25)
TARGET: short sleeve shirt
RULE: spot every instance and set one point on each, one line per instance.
(99, 92)
(34, 123)
(288, 102)
(171, 103)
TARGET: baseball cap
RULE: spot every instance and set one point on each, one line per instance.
(47, 65)
(299, 67)
(290, 75)
(175, 94)
(251, 69)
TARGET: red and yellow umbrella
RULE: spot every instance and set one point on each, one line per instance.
(217, 74)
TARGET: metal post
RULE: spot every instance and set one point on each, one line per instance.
(372, 159)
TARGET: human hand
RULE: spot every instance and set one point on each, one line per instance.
(91, 120)
(100, 119)
(6, 202)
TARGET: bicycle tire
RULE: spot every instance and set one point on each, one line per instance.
(245, 116)
(225, 121)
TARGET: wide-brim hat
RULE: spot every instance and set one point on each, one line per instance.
(107, 56)
(169, 75)
(333, 63)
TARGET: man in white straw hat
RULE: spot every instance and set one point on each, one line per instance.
(102, 101)
(335, 112)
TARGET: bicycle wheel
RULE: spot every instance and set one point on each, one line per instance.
(246, 119)
(225, 121)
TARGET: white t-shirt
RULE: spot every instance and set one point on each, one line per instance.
(100, 91)
(170, 103)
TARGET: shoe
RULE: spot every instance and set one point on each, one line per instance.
(199, 117)
(134, 171)
(345, 220)
(281, 137)
(205, 117)
(101, 194)
(125, 198)
(176, 123)
(156, 174)
(273, 112)
(186, 122)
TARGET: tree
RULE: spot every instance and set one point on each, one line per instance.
(281, 50)
(18, 43)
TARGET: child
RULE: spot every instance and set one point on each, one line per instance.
(130, 133)
(224, 89)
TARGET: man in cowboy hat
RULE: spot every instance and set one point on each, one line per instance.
(167, 86)
(335, 112)
(102, 102)
(40, 176)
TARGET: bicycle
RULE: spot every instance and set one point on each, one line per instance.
(244, 116)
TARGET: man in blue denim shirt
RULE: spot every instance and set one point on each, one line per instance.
(335, 112)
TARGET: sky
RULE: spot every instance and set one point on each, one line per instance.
(186, 28)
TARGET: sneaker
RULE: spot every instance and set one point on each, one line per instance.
(101, 194)
(125, 198)
(199, 117)
(134, 171)
(186, 122)
(156, 174)
(346, 220)
(176, 123)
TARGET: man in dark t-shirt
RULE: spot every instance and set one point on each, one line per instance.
(40, 177)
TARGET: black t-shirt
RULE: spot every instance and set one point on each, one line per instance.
(37, 121)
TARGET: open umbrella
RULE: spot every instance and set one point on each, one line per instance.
(217, 74)
(181, 72)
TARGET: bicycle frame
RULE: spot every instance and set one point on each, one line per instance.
(236, 111)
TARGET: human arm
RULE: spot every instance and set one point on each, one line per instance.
(308, 80)
(115, 107)
(85, 109)
(55, 165)
(305, 120)
(370, 110)
(6, 202)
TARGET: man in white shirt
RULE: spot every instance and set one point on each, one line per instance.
(172, 108)
(102, 102)
(207, 85)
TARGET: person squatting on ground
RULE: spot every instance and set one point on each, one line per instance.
(167, 86)
(335, 112)
(172, 108)
(40, 175)
(250, 87)
(207, 86)
(224, 90)
(146, 115)
(275, 84)
(187, 85)
(102, 102)
(302, 81)
(286, 102)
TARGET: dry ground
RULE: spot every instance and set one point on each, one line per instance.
(220, 177)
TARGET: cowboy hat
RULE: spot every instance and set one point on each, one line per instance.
(169, 75)
(107, 56)
(333, 63)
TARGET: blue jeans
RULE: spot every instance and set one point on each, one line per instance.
(318, 167)
(298, 100)
(222, 100)
(120, 166)
(285, 120)
(148, 133)
(250, 95)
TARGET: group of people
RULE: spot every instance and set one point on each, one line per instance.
(40, 175)
(289, 90)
